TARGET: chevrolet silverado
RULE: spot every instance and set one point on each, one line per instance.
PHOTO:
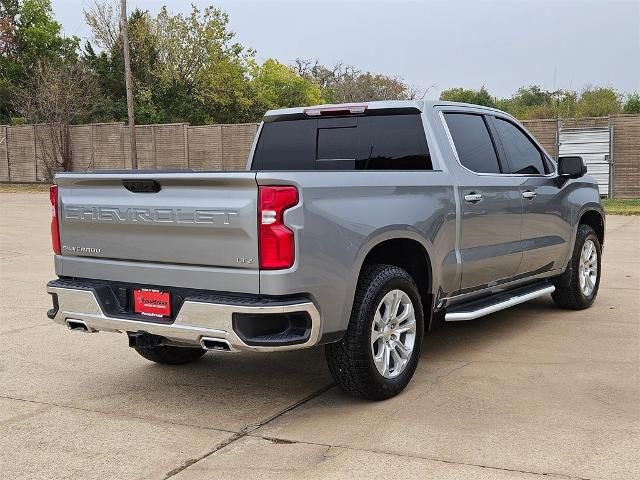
(359, 227)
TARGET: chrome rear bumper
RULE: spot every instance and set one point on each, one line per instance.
(196, 323)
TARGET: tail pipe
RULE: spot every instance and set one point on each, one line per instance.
(216, 344)
(78, 326)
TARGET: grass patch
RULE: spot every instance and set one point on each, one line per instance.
(614, 206)
(24, 187)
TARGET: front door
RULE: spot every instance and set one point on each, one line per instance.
(545, 233)
(490, 237)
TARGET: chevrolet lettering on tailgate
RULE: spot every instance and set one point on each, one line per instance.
(147, 215)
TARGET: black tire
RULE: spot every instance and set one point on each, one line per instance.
(568, 293)
(168, 355)
(351, 359)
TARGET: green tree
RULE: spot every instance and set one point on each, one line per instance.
(535, 102)
(108, 69)
(276, 85)
(476, 97)
(186, 68)
(224, 93)
(29, 35)
(108, 65)
(632, 105)
(598, 102)
(201, 71)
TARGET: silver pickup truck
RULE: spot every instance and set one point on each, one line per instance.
(359, 227)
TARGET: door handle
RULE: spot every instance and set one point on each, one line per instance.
(473, 197)
(529, 194)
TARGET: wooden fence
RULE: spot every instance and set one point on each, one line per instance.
(101, 146)
(226, 147)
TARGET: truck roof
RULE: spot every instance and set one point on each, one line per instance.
(421, 105)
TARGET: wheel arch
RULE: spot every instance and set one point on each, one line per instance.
(592, 215)
(410, 253)
(595, 219)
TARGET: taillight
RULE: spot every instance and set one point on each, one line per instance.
(55, 228)
(276, 242)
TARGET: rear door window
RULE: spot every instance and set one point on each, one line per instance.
(473, 143)
(392, 142)
(523, 155)
(372, 142)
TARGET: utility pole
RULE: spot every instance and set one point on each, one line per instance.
(124, 28)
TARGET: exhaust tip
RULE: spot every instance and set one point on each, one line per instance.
(77, 326)
(215, 344)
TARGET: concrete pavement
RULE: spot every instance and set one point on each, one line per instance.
(529, 392)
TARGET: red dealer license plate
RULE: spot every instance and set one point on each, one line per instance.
(154, 303)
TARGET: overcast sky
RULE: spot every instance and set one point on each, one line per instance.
(500, 44)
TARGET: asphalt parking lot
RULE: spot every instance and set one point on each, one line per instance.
(531, 392)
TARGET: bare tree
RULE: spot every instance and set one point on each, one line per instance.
(312, 70)
(57, 96)
(414, 92)
(7, 36)
(103, 17)
(345, 83)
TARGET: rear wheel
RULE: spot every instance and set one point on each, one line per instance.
(168, 355)
(578, 287)
(379, 353)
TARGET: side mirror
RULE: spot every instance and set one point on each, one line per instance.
(571, 167)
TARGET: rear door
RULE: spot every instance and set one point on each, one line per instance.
(183, 219)
(491, 201)
(545, 233)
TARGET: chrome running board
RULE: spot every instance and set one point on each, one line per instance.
(495, 303)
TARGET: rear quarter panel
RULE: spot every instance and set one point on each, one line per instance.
(342, 215)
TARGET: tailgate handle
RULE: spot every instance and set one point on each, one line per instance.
(141, 186)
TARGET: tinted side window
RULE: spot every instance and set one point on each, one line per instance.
(374, 142)
(523, 156)
(392, 142)
(473, 142)
(286, 145)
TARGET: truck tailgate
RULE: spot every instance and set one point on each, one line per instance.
(191, 219)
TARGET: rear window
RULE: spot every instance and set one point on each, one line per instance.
(373, 142)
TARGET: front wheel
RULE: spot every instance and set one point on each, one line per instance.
(380, 350)
(578, 287)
